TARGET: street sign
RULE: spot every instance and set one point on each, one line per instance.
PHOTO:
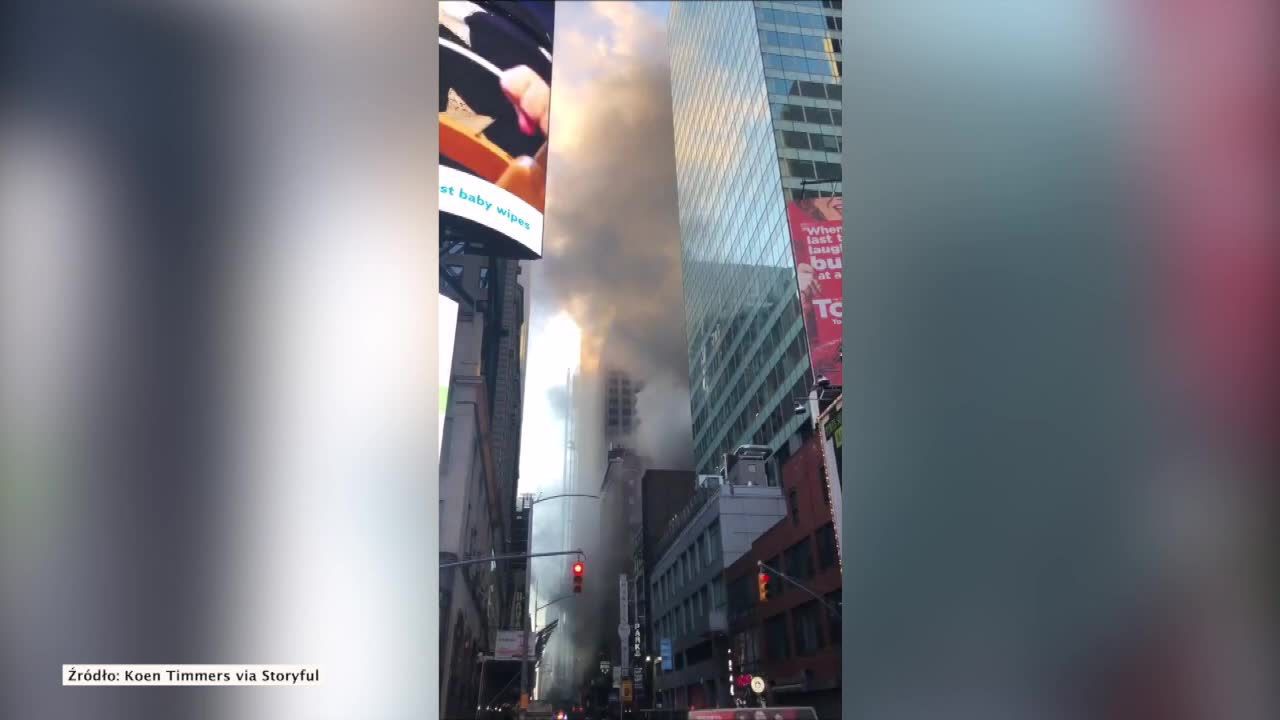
(511, 644)
(604, 667)
(757, 684)
(637, 673)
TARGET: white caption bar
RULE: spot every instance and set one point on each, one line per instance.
(202, 675)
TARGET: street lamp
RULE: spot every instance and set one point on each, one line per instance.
(822, 391)
(528, 587)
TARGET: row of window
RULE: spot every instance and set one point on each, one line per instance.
(684, 618)
(700, 554)
(794, 41)
(813, 66)
(796, 140)
(812, 170)
(802, 193)
(769, 378)
(836, 4)
(796, 561)
(801, 20)
(780, 418)
(761, 397)
(816, 115)
(806, 626)
(804, 88)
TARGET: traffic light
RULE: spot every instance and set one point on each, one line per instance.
(763, 580)
(578, 568)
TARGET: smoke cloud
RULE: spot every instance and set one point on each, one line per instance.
(613, 247)
(611, 263)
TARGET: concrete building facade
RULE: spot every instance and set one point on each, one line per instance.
(686, 583)
(479, 454)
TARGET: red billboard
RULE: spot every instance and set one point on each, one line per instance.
(817, 229)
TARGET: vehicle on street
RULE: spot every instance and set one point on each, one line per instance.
(771, 713)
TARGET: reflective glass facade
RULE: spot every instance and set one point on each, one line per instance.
(756, 100)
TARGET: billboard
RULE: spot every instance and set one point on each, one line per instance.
(447, 329)
(817, 229)
(509, 645)
(494, 105)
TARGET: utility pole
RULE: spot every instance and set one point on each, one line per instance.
(528, 590)
(524, 615)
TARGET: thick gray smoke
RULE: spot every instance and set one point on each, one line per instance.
(612, 262)
(613, 248)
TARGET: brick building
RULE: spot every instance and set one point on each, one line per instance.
(792, 640)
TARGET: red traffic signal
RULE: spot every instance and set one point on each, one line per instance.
(578, 569)
(763, 581)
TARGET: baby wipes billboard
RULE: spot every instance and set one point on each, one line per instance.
(495, 113)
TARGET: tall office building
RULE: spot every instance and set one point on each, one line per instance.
(620, 419)
(756, 100)
(480, 447)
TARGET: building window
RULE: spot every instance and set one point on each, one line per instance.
(795, 140)
(826, 546)
(484, 278)
(814, 90)
(801, 169)
(794, 503)
(794, 113)
(740, 596)
(453, 271)
(800, 560)
(828, 171)
(777, 643)
(821, 116)
(825, 143)
(776, 586)
(808, 630)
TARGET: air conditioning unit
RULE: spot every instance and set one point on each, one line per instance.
(709, 481)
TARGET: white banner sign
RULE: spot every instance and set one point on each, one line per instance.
(508, 645)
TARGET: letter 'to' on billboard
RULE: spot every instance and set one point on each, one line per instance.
(817, 229)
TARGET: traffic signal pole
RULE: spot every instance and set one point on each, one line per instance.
(528, 589)
(504, 558)
(794, 582)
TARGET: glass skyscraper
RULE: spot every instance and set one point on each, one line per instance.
(756, 99)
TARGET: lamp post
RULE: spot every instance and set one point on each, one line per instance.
(528, 589)
(652, 662)
(540, 608)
